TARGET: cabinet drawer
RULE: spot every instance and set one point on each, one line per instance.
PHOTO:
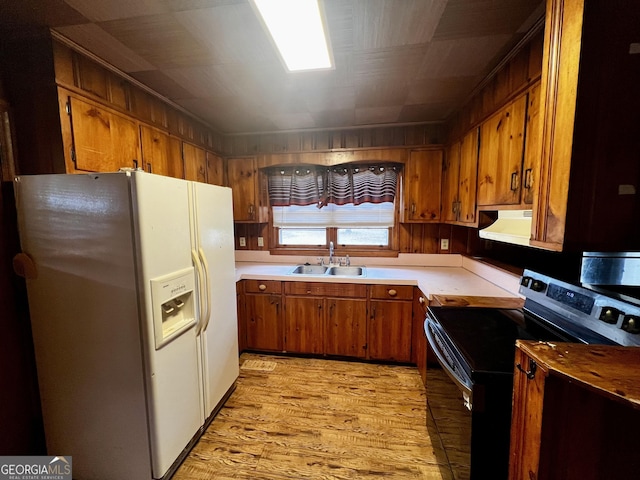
(392, 292)
(352, 290)
(262, 286)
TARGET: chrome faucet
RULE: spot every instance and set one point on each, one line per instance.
(330, 253)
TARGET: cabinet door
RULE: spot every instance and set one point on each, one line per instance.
(526, 420)
(215, 169)
(264, 322)
(195, 163)
(422, 181)
(390, 330)
(346, 327)
(243, 178)
(161, 153)
(303, 324)
(155, 150)
(533, 145)
(175, 163)
(242, 317)
(450, 179)
(468, 176)
(102, 141)
(418, 338)
(500, 160)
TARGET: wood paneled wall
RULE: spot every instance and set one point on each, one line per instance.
(413, 237)
(400, 136)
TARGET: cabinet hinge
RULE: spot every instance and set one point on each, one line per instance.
(67, 107)
(72, 151)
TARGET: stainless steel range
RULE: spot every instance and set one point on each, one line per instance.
(475, 348)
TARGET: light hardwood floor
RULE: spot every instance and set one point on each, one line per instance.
(320, 419)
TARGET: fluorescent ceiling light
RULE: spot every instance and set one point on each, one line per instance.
(297, 29)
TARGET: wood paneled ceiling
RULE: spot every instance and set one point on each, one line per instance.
(396, 61)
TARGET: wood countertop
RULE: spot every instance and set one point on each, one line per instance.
(475, 301)
(608, 370)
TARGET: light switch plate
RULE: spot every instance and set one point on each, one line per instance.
(243, 241)
(261, 241)
(444, 244)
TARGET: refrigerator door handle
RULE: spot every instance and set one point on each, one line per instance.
(201, 284)
(203, 259)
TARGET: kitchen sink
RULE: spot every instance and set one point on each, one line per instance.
(346, 271)
(310, 270)
(337, 271)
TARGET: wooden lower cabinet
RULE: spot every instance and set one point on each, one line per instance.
(345, 331)
(418, 338)
(390, 330)
(303, 325)
(325, 318)
(338, 319)
(390, 322)
(263, 315)
(575, 415)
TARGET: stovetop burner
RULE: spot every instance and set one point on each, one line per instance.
(485, 337)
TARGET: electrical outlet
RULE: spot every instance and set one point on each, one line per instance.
(261, 241)
(243, 241)
(444, 244)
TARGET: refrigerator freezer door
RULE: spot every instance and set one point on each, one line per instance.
(161, 213)
(84, 316)
(212, 234)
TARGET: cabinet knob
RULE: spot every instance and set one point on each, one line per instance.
(392, 293)
(421, 300)
(262, 287)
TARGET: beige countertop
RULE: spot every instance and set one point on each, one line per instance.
(459, 278)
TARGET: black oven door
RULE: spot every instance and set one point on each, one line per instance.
(470, 402)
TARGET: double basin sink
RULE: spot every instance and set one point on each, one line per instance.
(322, 270)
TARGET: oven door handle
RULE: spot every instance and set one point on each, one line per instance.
(459, 381)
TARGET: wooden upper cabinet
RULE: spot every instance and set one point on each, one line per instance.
(587, 194)
(532, 146)
(102, 140)
(501, 153)
(161, 152)
(215, 169)
(422, 184)
(195, 163)
(244, 181)
(467, 178)
(459, 181)
(450, 179)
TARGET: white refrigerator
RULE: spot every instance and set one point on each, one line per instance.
(131, 286)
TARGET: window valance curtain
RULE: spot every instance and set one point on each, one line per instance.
(340, 185)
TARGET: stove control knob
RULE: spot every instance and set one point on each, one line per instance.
(538, 286)
(631, 324)
(525, 281)
(610, 314)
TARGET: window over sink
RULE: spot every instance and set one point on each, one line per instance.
(351, 205)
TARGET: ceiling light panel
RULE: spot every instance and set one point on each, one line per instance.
(298, 29)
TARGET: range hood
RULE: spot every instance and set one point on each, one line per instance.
(512, 226)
